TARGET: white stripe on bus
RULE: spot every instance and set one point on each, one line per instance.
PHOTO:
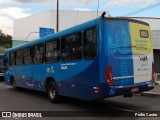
(115, 78)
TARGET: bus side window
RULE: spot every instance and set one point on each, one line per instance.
(12, 60)
(27, 59)
(52, 51)
(71, 47)
(64, 50)
(38, 53)
(19, 57)
(90, 39)
(76, 47)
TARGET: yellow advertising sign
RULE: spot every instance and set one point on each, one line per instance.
(140, 38)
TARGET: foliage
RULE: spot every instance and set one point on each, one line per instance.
(5, 40)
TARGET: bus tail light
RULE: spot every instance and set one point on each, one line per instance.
(109, 77)
(153, 73)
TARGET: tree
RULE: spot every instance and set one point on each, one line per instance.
(5, 40)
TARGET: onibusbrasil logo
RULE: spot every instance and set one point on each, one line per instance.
(21, 114)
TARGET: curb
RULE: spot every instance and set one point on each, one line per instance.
(150, 94)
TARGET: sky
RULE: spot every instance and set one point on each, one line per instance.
(11, 10)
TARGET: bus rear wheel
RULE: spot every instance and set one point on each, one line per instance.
(52, 92)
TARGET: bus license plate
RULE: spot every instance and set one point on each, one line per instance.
(136, 89)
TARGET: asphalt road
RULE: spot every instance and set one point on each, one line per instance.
(28, 100)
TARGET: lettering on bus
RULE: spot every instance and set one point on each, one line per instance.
(30, 84)
(143, 58)
(50, 69)
(65, 65)
(141, 44)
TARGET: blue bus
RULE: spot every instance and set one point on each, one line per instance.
(1, 68)
(102, 58)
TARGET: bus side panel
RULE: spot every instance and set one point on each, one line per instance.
(80, 82)
(53, 70)
(43, 71)
(24, 75)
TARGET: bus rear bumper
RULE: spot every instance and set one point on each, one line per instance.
(111, 91)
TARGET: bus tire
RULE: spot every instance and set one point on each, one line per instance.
(13, 83)
(52, 92)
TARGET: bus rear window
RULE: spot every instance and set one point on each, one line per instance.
(144, 34)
